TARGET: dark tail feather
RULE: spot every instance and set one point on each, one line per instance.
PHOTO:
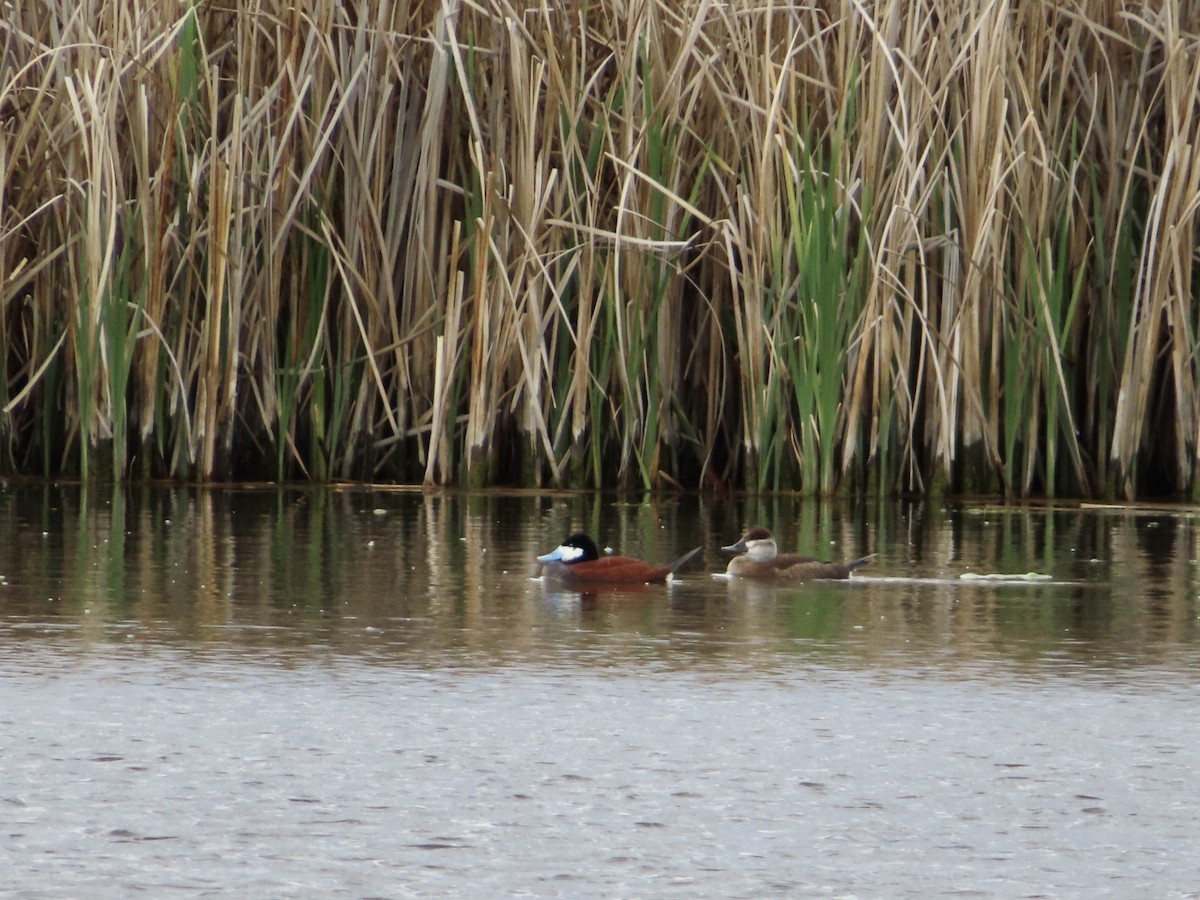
(679, 563)
(850, 567)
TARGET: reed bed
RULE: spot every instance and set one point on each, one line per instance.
(826, 246)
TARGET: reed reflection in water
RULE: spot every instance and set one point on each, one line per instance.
(400, 573)
(320, 692)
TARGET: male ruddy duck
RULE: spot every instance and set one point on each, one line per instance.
(577, 561)
(759, 558)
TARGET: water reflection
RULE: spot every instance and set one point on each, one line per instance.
(367, 693)
(408, 574)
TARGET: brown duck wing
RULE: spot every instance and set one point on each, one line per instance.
(800, 568)
(618, 570)
(787, 560)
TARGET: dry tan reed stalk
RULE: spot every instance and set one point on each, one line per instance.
(1164, 294)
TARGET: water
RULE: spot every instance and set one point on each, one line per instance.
(367, 694)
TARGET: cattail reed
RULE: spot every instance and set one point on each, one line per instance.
(841, 246)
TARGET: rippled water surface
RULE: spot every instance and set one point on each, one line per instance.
(368, 694)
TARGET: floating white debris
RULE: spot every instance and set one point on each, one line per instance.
(1004, 576)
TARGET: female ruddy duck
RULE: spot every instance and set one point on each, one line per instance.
(759, 558)
(577, 561)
